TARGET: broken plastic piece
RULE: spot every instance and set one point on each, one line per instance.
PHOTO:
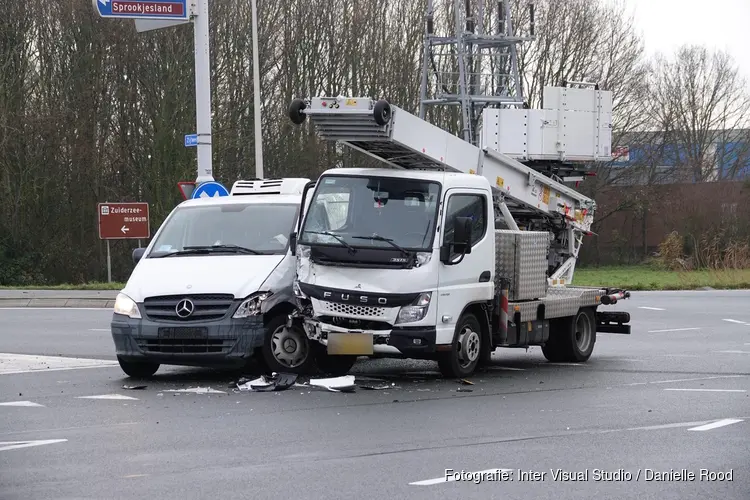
(134, 387)
(197, 390)
(335, 384)
(461, 389)
(466, 382)
(280, 382)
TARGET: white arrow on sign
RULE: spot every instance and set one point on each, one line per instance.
(14, 445)
(124, 229)
(104, 2)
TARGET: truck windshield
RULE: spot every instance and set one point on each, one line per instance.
(372, 212)
(235, 228)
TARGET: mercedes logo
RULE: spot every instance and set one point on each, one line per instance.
(184, 308)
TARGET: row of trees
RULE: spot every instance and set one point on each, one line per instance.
(91, 111)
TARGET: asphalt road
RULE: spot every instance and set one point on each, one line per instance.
(673, 397)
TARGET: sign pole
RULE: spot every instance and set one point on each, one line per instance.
(203, 92)
(109, 264)
(256, 91)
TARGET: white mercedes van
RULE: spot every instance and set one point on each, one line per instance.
(214, 286)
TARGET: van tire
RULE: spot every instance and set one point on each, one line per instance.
(285, 349)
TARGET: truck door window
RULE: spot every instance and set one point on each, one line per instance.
(466, 205)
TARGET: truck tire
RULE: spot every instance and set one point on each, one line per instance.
(138, 369)
(571, 339)
(466, 350)
(286, 349)
(336, 366)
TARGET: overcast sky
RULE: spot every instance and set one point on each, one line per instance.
(718, 24)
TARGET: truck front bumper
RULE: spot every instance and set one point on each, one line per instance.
(226, 342)
(411, 342)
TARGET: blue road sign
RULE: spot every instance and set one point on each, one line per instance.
(210, 190)
(191, 140)
(143, 9)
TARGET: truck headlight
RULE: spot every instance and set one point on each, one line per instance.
(251, 305)
(416, 311)
(126, 306)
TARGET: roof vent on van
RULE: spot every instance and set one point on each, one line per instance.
(269, 186)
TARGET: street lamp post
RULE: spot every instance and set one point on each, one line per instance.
(256, 92)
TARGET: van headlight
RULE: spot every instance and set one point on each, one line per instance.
(416, 311)
(126, 306)
(251, 305)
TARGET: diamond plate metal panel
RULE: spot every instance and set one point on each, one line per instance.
(560, 302)
(521, 257)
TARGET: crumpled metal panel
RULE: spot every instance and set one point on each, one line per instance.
(522, 258)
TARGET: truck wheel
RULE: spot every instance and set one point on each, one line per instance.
(382, 112)
(138, 369)
(295, 111)
(286, 349)
(572, 340)
(336, 366)
(466, 350)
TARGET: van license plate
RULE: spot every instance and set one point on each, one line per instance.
(359, 344)
(183, 332)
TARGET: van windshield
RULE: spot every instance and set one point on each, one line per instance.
(258, 228)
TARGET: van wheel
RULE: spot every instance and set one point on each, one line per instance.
(572, 339)
(336, 366)
(286, 349)
(138, 369)
(466, 350)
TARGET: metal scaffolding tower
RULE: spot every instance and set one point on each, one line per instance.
(473, 65)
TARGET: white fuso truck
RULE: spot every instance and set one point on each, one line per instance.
(451, 250)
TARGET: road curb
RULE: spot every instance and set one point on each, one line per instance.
(101, 299)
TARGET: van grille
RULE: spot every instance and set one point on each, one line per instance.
(205, 307)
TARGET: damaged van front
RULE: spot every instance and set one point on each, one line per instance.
(214, 287)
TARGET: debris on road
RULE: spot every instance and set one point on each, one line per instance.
(277, 382)
(134, 387)
(197, 390)
(462, 389)
(466, 382)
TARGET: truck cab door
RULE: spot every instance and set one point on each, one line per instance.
(465, 275)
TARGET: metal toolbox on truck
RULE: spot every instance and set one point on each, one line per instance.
(522, 258)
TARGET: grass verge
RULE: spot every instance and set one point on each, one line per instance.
(629, 277)
(648, 278)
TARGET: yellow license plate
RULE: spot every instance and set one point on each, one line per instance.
(359, 344)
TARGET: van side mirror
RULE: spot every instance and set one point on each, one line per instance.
(462, 235)
(138, 254)
(293, 243)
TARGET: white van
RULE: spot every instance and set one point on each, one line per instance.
(214, 286)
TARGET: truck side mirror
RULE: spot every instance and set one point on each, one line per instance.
(462, 235)
(293, 243)
(138, 254)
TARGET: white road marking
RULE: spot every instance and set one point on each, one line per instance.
(452, 477)
(717, 424)
(683, 380)
(652, 308)
(734, 352)
(734, 321)
(707, 390)
(108, 396)
(14, 445)
(21, 403)
(674, 330)
(24, 363)
(197, 390)
(508, 368)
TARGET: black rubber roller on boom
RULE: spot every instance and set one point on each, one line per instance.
(295, 111)
(382, 112)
